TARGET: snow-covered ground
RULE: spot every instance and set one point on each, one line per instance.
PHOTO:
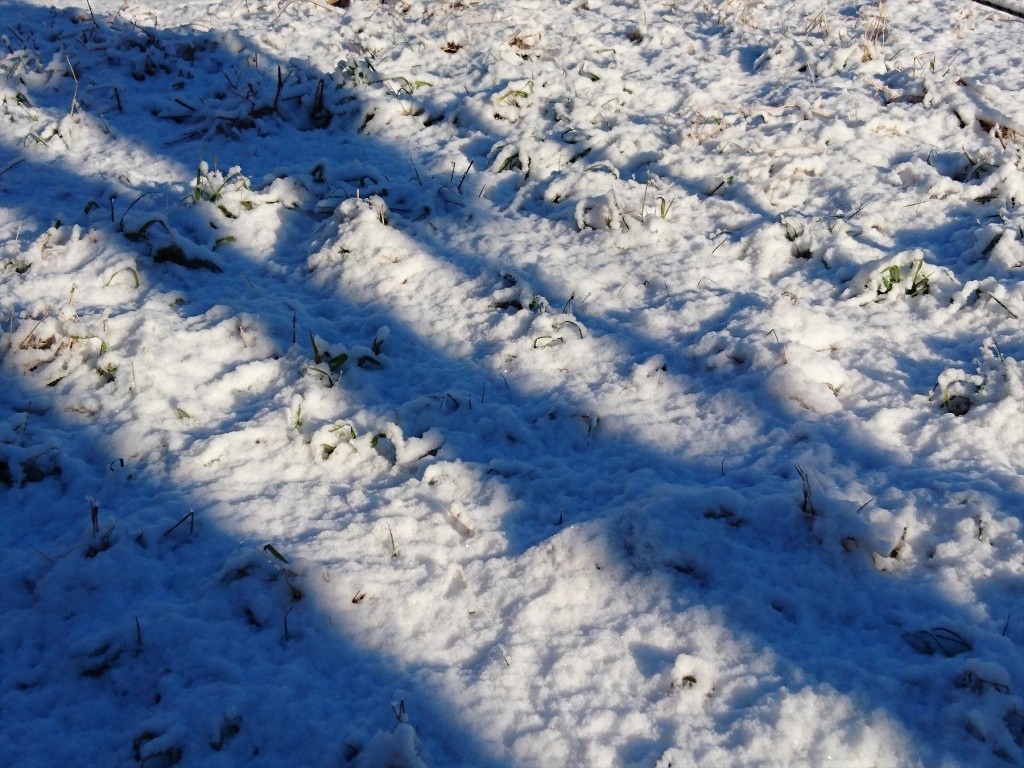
(529, 383)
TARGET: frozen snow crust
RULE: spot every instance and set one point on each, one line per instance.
(511, 384)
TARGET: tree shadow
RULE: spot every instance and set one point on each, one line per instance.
(297, 681)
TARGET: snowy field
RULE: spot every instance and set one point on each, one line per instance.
(530, 383)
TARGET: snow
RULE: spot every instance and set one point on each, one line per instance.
(523, 383)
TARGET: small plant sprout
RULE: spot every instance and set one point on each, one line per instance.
(369, 362)
(74, 96)
(210, 185)
(807, 504)
(643, 202)
(942, 640)
(287, 634)
(997, 301)
(346, 431)
(513, 95)
(107, 372)
(271, 550)
(379, 338)
(12, 166)
(592, 423)
(190, 517)
(919, 284)
(958, 405)
(511, 162)
(340, 433)
(893, 275)
(895, 552)
(400, 714)
(542, 342)
(403, 85)
(886, 563)
(141, 233)
(394, 546)
(130, 271)
(229, 728)
(720, 186)
(317, 357)
(562, 324)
